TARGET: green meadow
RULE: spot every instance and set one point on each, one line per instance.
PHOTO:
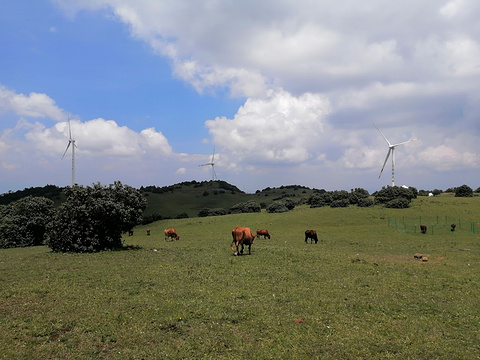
(357, 294)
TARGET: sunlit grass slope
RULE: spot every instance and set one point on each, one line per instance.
(357, 294)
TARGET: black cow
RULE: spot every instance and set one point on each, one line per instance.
(423, 229)
(453, 226)
(312, 235)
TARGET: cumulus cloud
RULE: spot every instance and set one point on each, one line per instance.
(275, 129)
(315, 75)
(33, 105)
(99, 137)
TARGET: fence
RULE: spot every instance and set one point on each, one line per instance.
(435, 225)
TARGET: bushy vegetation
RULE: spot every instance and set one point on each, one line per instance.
(276, 207)
(51, 192)
(147, 219)
(396, 196)
(24, 222)
(339, 198)
(246, 207)
(93, 218)
(217, 184)
(464, 191)
(212, 212)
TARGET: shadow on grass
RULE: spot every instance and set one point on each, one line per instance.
(127, 248)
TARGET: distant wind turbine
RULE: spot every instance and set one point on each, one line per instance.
(391, 149)
(71, 141)
(212, 164)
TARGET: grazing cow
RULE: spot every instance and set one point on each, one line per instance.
(130, 232)
(423, 229)
(148, 231)
(312, 235)
(242, 236)
(263, 232)
(453, 226)
(172, 234)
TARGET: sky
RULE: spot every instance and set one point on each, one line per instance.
(278, 92)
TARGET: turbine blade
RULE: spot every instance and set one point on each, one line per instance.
(383, 167)
(69, 128)
(405, 142)
(66, 149)
(213, 154)
(388, 142)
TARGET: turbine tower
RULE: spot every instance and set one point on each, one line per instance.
(212, 164)
(391, 150)
(71, 141)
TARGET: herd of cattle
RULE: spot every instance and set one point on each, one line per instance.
(243, 236)
(423, 228)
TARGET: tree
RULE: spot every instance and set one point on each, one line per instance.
(464, 191)
(24, 222)
(93, 218)
(250, 206)
(277, 207)
(394, 192)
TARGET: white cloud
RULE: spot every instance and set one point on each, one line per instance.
(33, 105)
(278, 128)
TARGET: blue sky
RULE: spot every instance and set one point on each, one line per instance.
(287, 92)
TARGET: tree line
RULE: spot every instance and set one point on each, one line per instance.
(91, 219)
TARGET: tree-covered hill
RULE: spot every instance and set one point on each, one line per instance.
(184, 199)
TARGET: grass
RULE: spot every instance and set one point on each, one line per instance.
(357, 294)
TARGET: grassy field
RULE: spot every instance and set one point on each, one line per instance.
(357, 294)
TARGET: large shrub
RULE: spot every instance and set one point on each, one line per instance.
(277, 207)
(464, 191)
(93, 218)
(365, 202)
(398, 203)
(212, 212)
(319, 200)
(246, 207)
(24, 222)
(394, 192)
(358, 194)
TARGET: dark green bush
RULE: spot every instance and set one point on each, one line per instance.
(246, 207)
(365, 202)
(24, 222)
(212, 212)
(319, 200)
(147, 219)
(93, 218)
(277, 207)
(399, 203)
(340, 203)
(464, 191)
(394, 192)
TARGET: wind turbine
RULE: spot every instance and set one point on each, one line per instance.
(71, 141)
(391, 149)
(212, 164)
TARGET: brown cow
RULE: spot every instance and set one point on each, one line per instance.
(423, 229)
(172, 234)
(312, 235)
(242, 236)
(263, 232)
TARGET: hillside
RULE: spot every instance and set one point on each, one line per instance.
(186, 198)
(191, 197)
